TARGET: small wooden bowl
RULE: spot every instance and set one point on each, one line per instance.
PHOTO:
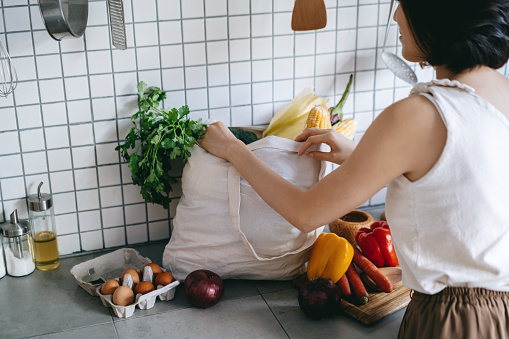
(348, 225)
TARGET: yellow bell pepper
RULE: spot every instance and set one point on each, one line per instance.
(330, 257)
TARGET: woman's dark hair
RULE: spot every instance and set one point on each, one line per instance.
(460, 34)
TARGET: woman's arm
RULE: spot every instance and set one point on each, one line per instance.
(393, 145)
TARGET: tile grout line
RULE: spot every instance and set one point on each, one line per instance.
(72, 169)
(18, 131)
(110, 227)
(161, 79)
(93, 209)
(206, 56)
(376, 61)
(195, 43)
(314, 60)
(175, 91)
(273, 314)
(272, 63)
(170, 20)
(92, 125)
(396, 50)
(354, 89)
(116, 119)
(251, 57)
(183, 53)
(40, 108)
(294, 82)
(137, 70)
(3, 217)
(336, 55)
(375, 72)
(229, 59)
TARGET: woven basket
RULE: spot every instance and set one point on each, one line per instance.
(348, 225)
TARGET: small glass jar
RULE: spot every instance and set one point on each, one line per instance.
(2, 261)
(17, 247)
(43, 230)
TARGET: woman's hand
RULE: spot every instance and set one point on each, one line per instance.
(218, 140)
(341, 147)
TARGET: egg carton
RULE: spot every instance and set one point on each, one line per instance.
(142, 301)
(93, 273)
(90, 275)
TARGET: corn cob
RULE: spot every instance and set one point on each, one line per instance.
(347, 128)
(318, 118)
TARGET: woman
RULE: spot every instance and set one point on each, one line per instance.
(444, 151)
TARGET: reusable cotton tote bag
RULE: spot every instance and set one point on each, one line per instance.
(222, 225)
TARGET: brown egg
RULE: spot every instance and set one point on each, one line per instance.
(134, 275)
(123, 296)
(164, 278)
(109, 287)
(156, 269)
(144, 287)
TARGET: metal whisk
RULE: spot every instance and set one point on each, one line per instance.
(8, 76)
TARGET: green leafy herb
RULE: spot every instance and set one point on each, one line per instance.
(165, 134)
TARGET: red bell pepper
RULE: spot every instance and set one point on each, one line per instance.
(376, 244)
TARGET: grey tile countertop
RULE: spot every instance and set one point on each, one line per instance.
(51, 305)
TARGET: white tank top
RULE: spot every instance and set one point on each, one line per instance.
(451, 227)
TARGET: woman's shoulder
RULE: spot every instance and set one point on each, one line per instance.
(415, 102)
(415, 112)
(417, 133)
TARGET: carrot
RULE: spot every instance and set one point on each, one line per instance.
(344, 286)
(356, 284)
(372, 271)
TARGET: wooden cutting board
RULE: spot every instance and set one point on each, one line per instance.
(380, 304)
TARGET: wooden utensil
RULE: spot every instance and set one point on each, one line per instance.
(309, 15)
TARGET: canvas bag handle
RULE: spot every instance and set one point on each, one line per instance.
(234, 195)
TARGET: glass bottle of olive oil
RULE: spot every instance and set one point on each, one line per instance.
(45, 250)
(43, 231)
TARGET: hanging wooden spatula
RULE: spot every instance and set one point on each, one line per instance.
(309, 15)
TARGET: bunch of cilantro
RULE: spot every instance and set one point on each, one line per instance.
(165, 134)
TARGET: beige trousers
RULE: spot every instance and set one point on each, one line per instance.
(457, 312)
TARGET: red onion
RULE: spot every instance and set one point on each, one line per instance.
(319, 297)
(203, 288)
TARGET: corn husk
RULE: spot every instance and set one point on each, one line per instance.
(290, 121)
(291, 111)
(291, 131)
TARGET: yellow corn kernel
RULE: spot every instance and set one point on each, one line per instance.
(318, 118)
(347, 127)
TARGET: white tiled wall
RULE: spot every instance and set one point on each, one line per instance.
(232, 60)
